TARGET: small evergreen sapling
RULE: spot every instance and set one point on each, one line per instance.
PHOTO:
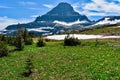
(27, 39)
(28, 66)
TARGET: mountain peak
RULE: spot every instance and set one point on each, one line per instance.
(64, 3)
(62, 12)
(62, 9)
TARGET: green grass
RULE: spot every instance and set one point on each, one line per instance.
(56, 62)
(104, 31)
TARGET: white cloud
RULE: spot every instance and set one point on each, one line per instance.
(35, 8)
(5, 21)
(48, 6)
(89, 13)
(76, 6)
(101, 7)
(27, 3)
(1, 6)
(34, 16)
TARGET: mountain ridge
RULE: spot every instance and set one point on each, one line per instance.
(61, 18)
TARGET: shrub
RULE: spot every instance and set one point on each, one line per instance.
(3, 38)
(40, 42)
(10, 40)
(71, 41)
(19, 43)
(29, 41)
(3, 49)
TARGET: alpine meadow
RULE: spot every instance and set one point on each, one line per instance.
(67, 40)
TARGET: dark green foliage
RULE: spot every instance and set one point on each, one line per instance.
(71, 41)
(29, 41)
(28, 67)
(10, 40)
(31, 34)
(40, 42)
(19, 41)
(3, 38)
(3, 49)
(25, 35)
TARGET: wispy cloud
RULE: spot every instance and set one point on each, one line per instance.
(117, 0)
(35, 8)
(101, 7)
(48, 6)
(5, 21)
(1, 6)
(34, 16)
(27, 3)
(76, 7)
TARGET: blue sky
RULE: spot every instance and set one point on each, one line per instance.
(23, 11)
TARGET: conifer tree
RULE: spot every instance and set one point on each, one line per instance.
(19, 42)
(27, 39)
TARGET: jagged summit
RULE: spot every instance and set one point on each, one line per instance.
(62, 12)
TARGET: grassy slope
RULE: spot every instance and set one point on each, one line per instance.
(54, 62)
(104, 31)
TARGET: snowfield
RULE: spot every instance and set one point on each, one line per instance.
(107, 21)
(80, 36)
(69, 23)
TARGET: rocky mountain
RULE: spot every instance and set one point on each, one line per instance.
(107, 21)
(61, 18)
(62, 12)
(110, 18)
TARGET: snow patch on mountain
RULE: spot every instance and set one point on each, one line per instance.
(69, 23)
(106, 21)
(37, 30)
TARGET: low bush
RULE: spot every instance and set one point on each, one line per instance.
(40, 42)
(29, 41)
(71, 41)
(3, 49)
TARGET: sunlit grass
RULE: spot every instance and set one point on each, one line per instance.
(56, 62)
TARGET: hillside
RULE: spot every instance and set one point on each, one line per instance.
(56, 62)
(114, 30)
